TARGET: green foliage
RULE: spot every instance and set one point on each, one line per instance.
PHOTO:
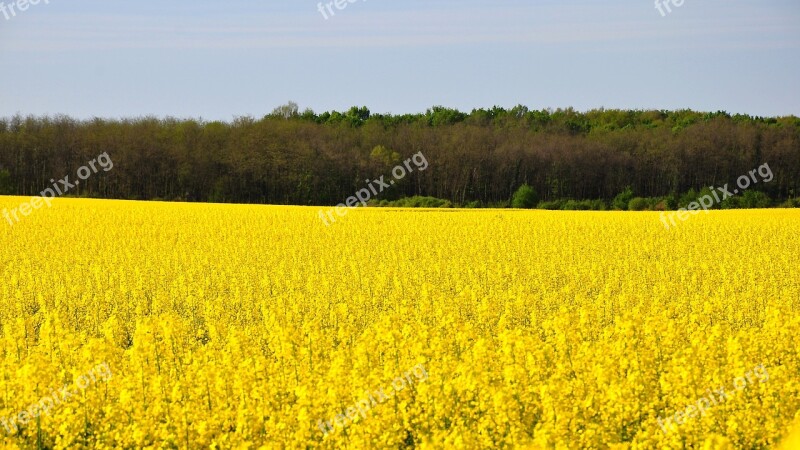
(690, 196)
(695, 196)
(749, 200)
(707, 192)
(553, 205)
(638, 204)
(417, 202)
(671, 202)
(733, 202)
(524, 198)
(597, 205)
(575, 205)
(357, 115)
(385, 156)
(791, 203)
(622, 199)
(439, 116)
(755, 199)
(664, 203)
(499, 204)
(305, 158)
(308, 115)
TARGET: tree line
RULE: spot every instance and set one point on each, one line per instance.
(476, 158)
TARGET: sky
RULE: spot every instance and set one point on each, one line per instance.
(218, 60)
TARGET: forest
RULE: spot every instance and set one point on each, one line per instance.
(481, 158)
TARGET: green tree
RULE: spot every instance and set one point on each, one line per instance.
(439, 116)
(622, 199)
(755, 199)
(524, 198)
(638, 204)
(357, 116)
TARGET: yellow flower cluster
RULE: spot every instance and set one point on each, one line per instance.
(245, 326)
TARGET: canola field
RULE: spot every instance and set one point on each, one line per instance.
(157, 325)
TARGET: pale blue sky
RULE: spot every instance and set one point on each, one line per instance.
(221, 59)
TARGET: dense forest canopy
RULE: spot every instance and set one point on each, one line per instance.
(304, 158)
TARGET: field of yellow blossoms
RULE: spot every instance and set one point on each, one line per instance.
(156, 325)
